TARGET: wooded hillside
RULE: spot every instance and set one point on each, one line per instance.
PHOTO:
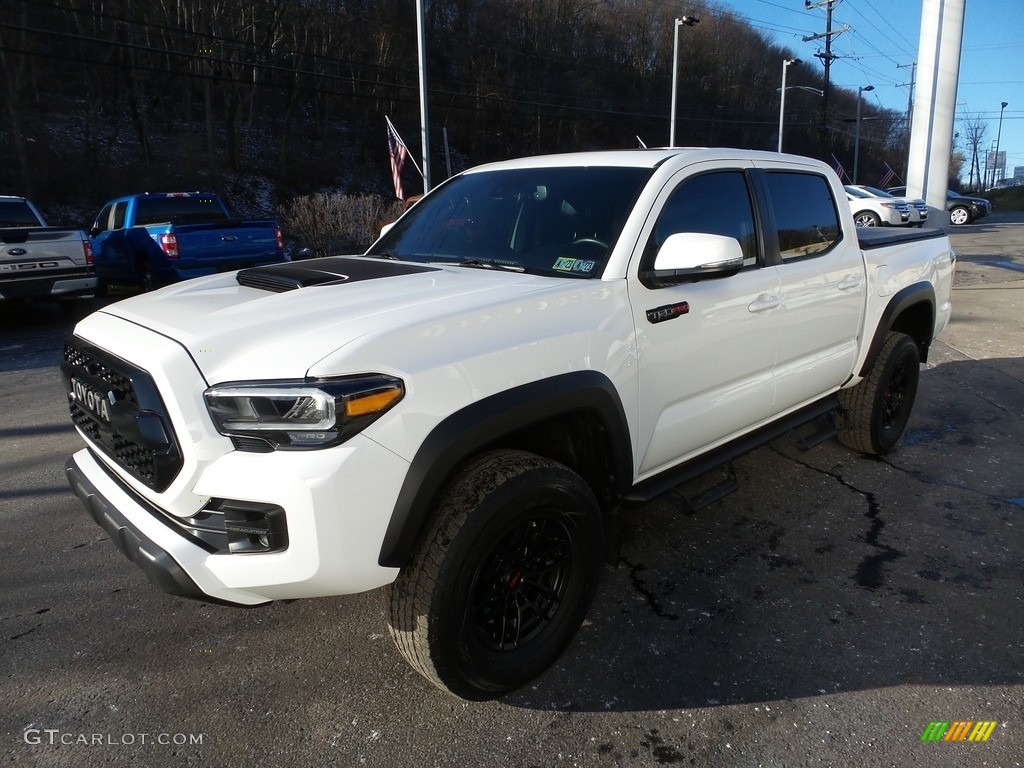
(270, 98)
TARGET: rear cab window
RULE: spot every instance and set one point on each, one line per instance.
(178, 209)
(17, 213)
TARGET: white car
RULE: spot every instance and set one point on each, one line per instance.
(873, 211)
(918, 207)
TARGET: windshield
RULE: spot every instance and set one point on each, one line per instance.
(549, 221)
(876, 191)
(857, 192)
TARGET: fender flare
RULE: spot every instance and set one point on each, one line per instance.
(902, 300)
(484, 423)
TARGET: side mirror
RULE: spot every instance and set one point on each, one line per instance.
(692, 256)
(93, 231)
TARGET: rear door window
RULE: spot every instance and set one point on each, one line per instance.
(805, 213)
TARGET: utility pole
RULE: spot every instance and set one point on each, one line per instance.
(910, 98)
(910, 103)
(827, 56)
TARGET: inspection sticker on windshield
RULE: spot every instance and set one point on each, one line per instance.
(565, 264)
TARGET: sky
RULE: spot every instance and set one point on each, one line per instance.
(885, 34)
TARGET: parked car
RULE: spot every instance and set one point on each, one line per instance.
(873, 211)
(38, 261)
(963, 209)
(154, 239)
(918, 207)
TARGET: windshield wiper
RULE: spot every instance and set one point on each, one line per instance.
(481, 264)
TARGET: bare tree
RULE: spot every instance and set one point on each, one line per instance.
(974, 130)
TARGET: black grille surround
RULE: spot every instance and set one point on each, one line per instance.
(131, 424)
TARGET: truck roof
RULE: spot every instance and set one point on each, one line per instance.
(636, 158)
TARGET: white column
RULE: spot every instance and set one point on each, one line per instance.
(931, 138)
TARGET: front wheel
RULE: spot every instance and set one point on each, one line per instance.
(867, 219)
(959, 216)
(503, 578)
(873, 414)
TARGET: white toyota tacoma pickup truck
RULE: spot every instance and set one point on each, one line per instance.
(456, 413)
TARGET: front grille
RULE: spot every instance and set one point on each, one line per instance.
(117, 407)
(81, 360)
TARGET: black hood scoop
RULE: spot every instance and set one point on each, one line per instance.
(332, 270)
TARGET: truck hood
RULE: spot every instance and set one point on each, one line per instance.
(287, 317)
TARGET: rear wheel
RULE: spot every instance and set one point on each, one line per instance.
(144, 274)
(867, 219)
(503, 578)
(873, 414)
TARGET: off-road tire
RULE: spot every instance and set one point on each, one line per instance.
(873, 414)
(503, 577)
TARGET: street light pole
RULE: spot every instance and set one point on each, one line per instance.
(688, 21)
(856, 134)
(999, 134)
(782, 96)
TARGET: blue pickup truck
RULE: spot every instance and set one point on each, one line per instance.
(154, 239)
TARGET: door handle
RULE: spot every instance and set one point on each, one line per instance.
(764, 302)
(850, 282)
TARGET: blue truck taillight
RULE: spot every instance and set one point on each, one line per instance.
(169, 244)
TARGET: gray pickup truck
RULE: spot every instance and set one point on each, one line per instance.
(41, 261)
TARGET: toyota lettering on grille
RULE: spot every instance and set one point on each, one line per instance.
(91, 400)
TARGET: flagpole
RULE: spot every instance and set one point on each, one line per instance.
(424, 123)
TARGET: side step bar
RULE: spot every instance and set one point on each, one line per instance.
(650, 489)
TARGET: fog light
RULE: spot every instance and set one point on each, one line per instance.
(251, 527)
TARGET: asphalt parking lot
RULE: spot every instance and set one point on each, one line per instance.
(824, 615)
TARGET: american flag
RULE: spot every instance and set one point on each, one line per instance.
(398, 152)
(890, 174)
(838, 167)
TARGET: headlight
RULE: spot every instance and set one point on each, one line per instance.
(293, 415)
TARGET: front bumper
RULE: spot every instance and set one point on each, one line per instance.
(331, 507)
(158, 564)
(337, 504)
